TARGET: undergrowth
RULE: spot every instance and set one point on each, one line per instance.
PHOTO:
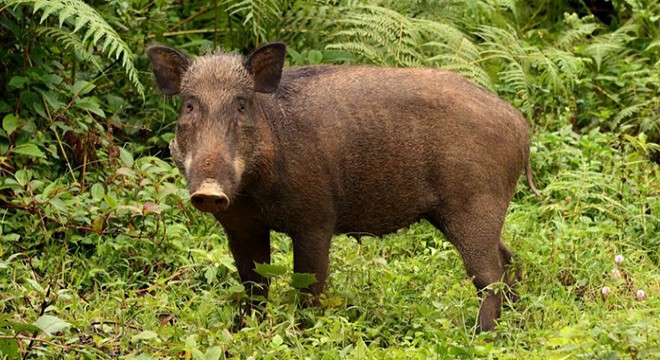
(101, 255)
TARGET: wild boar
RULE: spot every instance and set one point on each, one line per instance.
(315, 151)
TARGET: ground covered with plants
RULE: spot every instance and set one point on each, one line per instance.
(102, 256)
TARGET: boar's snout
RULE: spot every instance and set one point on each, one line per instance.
(209, 198)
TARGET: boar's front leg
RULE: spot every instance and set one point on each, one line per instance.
(311, 254)
(250, 245)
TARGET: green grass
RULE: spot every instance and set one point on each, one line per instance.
(167, 287)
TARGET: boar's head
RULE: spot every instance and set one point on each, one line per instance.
(215, 143)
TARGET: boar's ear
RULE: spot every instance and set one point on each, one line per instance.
(265, 64)
(168, 65)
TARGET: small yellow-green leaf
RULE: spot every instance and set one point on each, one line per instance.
(110, 200)
(213, 353)
(51, 324)
(145, 335)
(126, 157)
(277, 340)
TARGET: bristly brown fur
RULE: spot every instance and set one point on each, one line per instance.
(324, 150)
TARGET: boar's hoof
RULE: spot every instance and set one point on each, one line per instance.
(209, 201)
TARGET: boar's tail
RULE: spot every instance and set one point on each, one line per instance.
(530, 181)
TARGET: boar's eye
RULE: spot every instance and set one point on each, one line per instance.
(189, 106)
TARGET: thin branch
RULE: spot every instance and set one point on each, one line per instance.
(32, 339)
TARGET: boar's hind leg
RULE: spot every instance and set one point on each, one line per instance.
(475, 231)
(250, 246)
(311, 252)
(510, 276)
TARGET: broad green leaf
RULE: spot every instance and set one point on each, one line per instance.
(97, 191)
(82, 87)
(236, 289)
(110, 199)
(302, 280)
(18, 81)
(90, 104)
(314, 57)
(126, 157)
(35, 285)
(226, 261)
(4, 107)
(51, 324)
(210, 275)
(269, 271)
(18, 327)
(98, 223)
(23, 177)
(11, 237)
(58, 204)
(124, 171)
(52, 100)
(10, 123)
(277, 340)
(213, 353)
(50, 79)
(9, 347)
(457, 351)
(191, 341)
(28, 149)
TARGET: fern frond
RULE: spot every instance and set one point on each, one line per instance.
(386, 36)
(259, 15)
(653, 45)
(85, 18)
(71, 41)
(509, 5)
(558, 70)
(578, 29)
(628, 112)
(368, 27)
(611, 44)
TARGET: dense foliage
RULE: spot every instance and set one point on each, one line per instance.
(102, 256)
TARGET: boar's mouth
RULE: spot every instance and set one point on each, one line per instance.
(210, 197)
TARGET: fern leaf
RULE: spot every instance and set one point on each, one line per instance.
(85, 18)
(259, 15)
(628, 112)
(48, 10)
(578, 29)
(65, 14)
(402, 40)
(71, 42)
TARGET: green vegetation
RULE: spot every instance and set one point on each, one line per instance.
(101, 254)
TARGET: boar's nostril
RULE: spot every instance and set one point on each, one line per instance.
(221, 202)
(208, 201)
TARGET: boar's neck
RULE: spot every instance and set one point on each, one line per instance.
(266, 158)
